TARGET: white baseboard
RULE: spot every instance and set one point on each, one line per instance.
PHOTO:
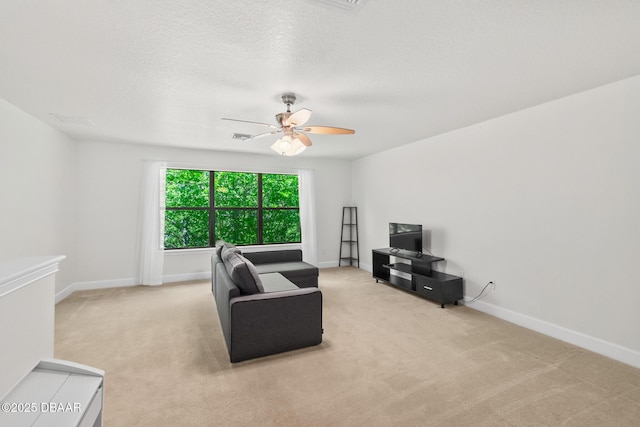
(64, 293)
(100, 284)
(118, 283)
(328, 264)
(186, 277)
(333, 264)
(366, 267)
(597, 345)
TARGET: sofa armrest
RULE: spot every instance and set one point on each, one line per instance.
(215, 260)
(224, 291)
(275, 322)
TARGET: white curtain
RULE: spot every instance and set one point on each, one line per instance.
(306, 187)
(151, 223)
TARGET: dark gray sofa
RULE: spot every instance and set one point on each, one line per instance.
(272, 314)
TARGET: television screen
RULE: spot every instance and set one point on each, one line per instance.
(407, 237)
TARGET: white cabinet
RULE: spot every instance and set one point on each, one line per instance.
(35, 389)
(56, 393)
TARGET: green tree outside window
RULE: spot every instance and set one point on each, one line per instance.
(242, 208)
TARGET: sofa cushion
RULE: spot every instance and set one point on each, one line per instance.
(242, 272)
(276, 282)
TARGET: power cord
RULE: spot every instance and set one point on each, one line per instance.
(481, 292)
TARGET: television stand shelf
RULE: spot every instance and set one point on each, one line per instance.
(424, 281)
(400, 266)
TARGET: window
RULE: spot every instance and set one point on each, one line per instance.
(242, 208)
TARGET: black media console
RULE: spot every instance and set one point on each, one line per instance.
(424, 281)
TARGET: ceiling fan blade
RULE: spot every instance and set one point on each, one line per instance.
(254, 123)
(327, 130)
(303, 138)
(300, 117)
(260, 135)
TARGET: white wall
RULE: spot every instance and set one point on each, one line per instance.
(108, 202)
(37, 190)
(544, 202)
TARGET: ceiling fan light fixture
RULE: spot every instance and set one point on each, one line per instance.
(288, 146)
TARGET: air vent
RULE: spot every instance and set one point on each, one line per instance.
(72, 120)
(242, 136)
(349, 5)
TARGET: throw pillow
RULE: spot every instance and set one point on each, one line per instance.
(227, 248)
(254, 274)
(219, 245)
(242, 272)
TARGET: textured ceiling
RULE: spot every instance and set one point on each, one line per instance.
(165, 72)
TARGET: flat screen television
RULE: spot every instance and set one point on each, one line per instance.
(406, 237)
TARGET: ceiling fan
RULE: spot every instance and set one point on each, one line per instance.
(292, 126)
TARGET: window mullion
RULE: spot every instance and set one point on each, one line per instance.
(260, 218)
(212, 204)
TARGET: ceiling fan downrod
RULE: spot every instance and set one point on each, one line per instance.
(288, 99)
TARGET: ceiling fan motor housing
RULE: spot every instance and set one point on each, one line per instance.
(289, 99)
(283, 119)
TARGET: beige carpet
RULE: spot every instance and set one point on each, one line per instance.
(388, 358)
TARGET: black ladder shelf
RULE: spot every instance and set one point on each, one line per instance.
(349, 237)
